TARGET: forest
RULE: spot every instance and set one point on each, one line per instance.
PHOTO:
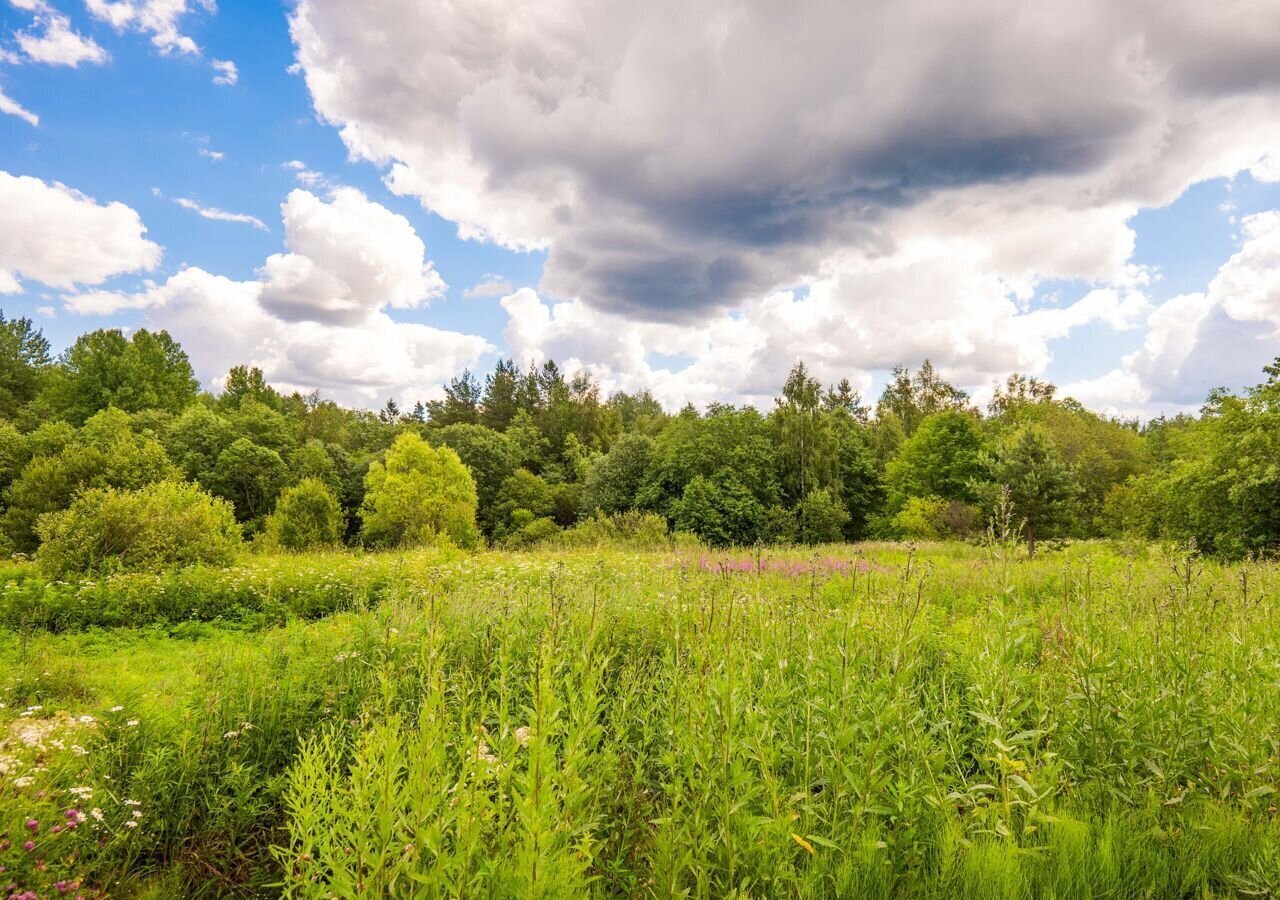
(117, 424)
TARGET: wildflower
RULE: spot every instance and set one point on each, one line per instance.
(131, 823)
(96, 813)
(117, 709)
(29, 846)
(230, 734)
(132, 723)
(132, 803)
(55, 829)
(81, 793)
(137, 814)
(78, 750)
(86, 720)
(33, 825)
(23, 781)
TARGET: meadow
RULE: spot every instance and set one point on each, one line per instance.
(941, 720)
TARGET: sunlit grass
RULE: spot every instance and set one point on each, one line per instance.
(866, 720)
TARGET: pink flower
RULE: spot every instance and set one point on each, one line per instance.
(29, 846)
(56, 828)
(33, 825)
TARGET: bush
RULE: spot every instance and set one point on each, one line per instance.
(935, 519)
(159, 526)
(306, 517)
(419, 495)
(631, 530)
(821, 518)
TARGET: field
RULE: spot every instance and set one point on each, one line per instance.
(867, 720)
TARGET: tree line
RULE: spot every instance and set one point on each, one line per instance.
(524, 454)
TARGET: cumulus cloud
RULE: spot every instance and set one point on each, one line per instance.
(489, 286)
(159, 18)
(317, 316)
(59, 237)
(347, 258)
(1195, 342)
(220, 215)
(52, 40)
(681, 157)
(11, 107)
(227, 73)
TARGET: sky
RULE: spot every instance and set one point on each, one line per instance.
(366, 199)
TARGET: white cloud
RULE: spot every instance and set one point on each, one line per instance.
(228, 74)
(358, 353)
(52, 40)
(158, 18)
(348, 258)
(675, 169)
(1195, 342)
(219, 215)
(306, 176)
(12, 107)
(215, 155)
(59, 237)
(489, 286)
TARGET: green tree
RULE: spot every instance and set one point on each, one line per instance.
(103, 368)
(153, 528)
(419, 495)
(461, 403)
(613, 479)
(307, 517)
(808, 450)
(721, 511)
(1041, 486)
(913, 398)
(500, 401)
(939, 460)
(24, 359)
(248, 383)
(104, 453)
(250, 476)
(821, 517)
(195, 439)
(489, 456)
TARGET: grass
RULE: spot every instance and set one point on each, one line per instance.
(871, 720)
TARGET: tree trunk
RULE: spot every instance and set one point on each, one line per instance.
(1031, 541)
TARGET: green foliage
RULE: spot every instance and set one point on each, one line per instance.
(147, 370)
(821, 517)
(1040, 485)
(307, 517)
(419, 495)
(105, 453)
(251, 477)
(808, 447)
(156, 527)
(721, 511)
(941, 459)
(911, 399)
(24, 360)
(614, 479)
(935, 519)
(491, 458)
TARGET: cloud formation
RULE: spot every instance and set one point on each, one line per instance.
(51, 39)
(159, 18)
(682, 157)
(12, 107)
(220, 215)
(1195, 342)
(59, 237)
(347, 258)
(316, 319)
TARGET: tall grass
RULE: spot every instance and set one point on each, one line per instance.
(869, 721)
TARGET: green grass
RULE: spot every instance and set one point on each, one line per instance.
(864, 721)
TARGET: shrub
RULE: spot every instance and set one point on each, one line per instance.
(821, 517)
(933, 519)
(419, 495)
(306, 517)
(156, 527)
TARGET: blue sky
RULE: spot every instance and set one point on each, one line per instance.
(679, 285)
